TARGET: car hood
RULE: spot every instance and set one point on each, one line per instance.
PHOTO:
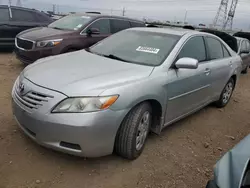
(43, 33)
(230, 168)
(83, 74)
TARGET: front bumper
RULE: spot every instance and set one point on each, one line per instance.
(28, 57)
(82, 134)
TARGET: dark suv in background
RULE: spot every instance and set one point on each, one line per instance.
(70, 33)
(14, 20)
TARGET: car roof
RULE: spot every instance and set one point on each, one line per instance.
(173, 31)
(95, 16)
(21, 8)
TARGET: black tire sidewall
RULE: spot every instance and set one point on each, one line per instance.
(220, 102)
(145, 107)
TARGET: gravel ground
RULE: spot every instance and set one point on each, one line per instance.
(182, 156)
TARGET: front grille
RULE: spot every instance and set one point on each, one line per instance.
(32, 99)
(24, 44)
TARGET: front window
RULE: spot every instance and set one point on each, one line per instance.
(72, 22)
(194, 48)
(103, 25)
(139, 47)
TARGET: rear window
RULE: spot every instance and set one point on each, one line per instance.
(4, 14)
(72, 22)
(138, 47)
(118, 25)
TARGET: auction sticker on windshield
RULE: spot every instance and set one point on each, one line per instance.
(148, 49)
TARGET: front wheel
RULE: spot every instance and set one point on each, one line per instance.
(133, 132)
(226, 94)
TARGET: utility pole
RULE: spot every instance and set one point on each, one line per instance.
(10, 2)
(185, 17)
(18, 3)
(230, 17)
(54, 8)
(221, 16)
(123, 11)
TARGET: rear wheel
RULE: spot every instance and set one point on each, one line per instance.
(226, 94)
(133, 132)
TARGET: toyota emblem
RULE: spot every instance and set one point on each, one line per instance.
(21, 87)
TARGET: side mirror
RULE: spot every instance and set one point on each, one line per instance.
(93, 31)
(186, 63)
(243, 51)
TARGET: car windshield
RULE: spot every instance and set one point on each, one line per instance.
(139, 47)
(72, 22)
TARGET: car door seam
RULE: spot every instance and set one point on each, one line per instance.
(189, 92)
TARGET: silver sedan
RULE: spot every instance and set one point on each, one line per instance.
(109, 97)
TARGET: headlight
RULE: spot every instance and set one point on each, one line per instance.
(48, 43)
(85, 104)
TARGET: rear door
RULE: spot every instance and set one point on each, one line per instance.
(5, 28)
(220, 62)
(245, 56)
(189, 88)
(119, 25)
(22, 20)
(103, 25)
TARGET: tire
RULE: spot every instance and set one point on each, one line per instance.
(245, 70)
(129, 142)
(211, 184)
(225, 94)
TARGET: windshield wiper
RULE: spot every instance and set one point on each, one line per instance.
(111, 56)
(57, 28)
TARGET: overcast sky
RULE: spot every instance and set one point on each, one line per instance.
(198, 11)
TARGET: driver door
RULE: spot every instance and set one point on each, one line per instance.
(188, 89)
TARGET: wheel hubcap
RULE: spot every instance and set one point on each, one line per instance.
(142, 130)
(227, 92)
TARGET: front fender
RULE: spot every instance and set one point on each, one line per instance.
(134, 93)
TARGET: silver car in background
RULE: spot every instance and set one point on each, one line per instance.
(244, 52)
(109, 97)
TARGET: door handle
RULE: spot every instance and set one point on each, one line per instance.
(230, 63)
(207, 71)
